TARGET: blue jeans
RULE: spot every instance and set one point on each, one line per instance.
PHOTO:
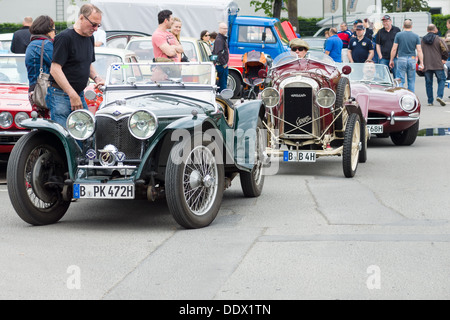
(407, 65)
(58, 102)
(222, 73)
(393, 70)
(440, 75)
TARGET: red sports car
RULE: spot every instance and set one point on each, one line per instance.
(14, 104)
(393, 111)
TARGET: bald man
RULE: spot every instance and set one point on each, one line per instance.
(21, 37)
(221, 50)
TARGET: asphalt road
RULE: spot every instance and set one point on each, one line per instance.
(312, 234)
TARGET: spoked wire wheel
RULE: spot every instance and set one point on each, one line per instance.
(195, 182)
(252, 182)
(200, 180)
(35, 177)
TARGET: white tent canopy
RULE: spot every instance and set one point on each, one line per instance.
(142, 15)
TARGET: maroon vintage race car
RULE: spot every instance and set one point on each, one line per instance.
(14, 104)
(310, 113)
(393, 111)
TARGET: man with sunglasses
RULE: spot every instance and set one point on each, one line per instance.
(299, 46)
(73, 55)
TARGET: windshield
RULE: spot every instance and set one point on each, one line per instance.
(369, 73)
(103, 61)
(289, 56)
(160, 74)
(281, 33)
(13, 70)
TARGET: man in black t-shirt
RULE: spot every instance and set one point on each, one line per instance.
(385, 41)
(73, 54)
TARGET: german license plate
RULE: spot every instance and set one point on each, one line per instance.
(375, 128)
(301, 156)
(103, 191)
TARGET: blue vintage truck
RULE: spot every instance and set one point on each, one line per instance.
(268, 35)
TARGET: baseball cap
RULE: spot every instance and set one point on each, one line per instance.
(359, 27)
(357, 21)
(386, 17)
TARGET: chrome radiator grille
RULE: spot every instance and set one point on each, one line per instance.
(298, 110)
(116, 133)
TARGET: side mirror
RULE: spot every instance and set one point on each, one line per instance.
(227, 93)
(90, 95)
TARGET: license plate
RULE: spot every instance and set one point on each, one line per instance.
(301, 156)
(103, 191)
(375, 128)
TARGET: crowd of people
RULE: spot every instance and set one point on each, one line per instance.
(401, 50)
(68, 56)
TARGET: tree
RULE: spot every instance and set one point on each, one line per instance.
(407, 5)
(272, 8)
(293, 13)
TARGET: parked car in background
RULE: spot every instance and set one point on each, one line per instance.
(162, 132)
(393, 111)
(143, 48)
(318, 44)
(120, 39)
(14, 104)
(310, 113)
(5, 42)
(104, 57)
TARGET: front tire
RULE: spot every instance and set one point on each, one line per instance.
(252, 182)
(195, 181)
(35, 177)
(406, 137)
(352, 143)
(234, 83)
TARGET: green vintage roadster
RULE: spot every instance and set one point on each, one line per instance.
(162, 131)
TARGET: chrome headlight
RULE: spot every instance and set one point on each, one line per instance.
(408, 103)
(81, 124)
(326, 98)
(6, 120)
(20, 116)
(142, 124)
(270, 97)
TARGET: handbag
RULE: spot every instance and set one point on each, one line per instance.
(40, 90)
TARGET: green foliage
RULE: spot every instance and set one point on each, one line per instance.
(13, 27)
(407, 5)
(266, 5)
(440, 22)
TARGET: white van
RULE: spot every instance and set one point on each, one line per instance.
(420, 21)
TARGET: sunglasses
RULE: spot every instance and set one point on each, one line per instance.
(94, 25)
(299, 49)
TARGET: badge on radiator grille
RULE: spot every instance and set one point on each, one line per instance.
(108, 155)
